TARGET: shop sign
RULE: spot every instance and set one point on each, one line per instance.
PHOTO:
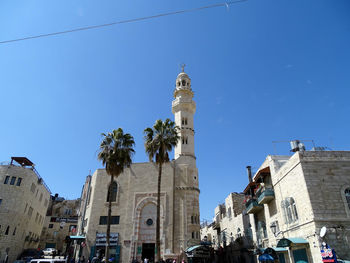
(328, 254)
(101, 239)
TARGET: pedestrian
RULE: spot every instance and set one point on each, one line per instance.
(82, 259)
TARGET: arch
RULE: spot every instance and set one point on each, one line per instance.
(136, 221)
(345, 194)
(114, 188)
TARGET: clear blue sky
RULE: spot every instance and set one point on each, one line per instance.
(261, 70)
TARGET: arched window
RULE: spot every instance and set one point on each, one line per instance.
(7, 230)
(113, 188)
(289, 210)
(347, 196)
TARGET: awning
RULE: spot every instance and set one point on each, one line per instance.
(198, 251)
(287, 242)
(77, 237)
(192, 248)
(277, 249)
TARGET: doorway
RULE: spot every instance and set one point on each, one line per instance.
(148, 251)
(300, 256)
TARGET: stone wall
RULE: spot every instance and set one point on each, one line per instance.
(22, 210)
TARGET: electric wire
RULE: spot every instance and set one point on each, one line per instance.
(123, 21)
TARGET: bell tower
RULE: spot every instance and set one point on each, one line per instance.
(183, 107)
(186, 194)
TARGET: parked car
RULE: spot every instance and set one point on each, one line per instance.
(49, 251)
(29, 254)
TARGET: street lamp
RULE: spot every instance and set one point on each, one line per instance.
(274, 228)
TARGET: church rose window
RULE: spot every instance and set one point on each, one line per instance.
(149, 222)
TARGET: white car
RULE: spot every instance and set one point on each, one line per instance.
(49, 251)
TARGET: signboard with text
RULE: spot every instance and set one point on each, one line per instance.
(328, 254)
(101, 239)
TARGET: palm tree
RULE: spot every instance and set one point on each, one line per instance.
(160, 140)
(116, 150)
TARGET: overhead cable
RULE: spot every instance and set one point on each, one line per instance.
(226, 4)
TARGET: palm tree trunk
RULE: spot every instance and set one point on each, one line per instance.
(109, 217)
(158, 214)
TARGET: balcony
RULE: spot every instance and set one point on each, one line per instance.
(265, 195)
(252, 206)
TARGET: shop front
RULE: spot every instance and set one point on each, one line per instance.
(198, 254)
(273, 254)
(98, 250)
(298, 249)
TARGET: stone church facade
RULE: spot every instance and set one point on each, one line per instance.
(134, 198)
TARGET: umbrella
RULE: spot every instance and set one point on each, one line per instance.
(266, 257)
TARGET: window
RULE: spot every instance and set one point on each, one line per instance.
(239, 232)
(7, 178)
(13, 180)
(114, 220)
(0, 201)
(25, 209)
(45, 203)
(41, 196)
(30, 211)
(347, 196)
(184, 121)
(32, 188)
(192, 221)
(19, 180)
(14, 232)
(262, 233)
(114, 188)
(68, 211)
(7, 230)
(50, 225)
(192, 234)
(229, 213)
(289, 210)
(89, 194)
(72, 228)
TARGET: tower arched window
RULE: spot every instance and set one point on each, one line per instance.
(7, 230)
(114, 189)
(347, 196)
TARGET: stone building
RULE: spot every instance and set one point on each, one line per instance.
(24, 199)
(61, 221)
(293, 197)
(135, 194)
(231, 230)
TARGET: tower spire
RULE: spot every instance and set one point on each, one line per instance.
(183, 107)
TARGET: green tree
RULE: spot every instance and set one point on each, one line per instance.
(159, 141)
(116, 150)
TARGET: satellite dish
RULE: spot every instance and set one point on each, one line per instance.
(323, 231)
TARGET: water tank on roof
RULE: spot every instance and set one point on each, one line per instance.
(297, 146)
